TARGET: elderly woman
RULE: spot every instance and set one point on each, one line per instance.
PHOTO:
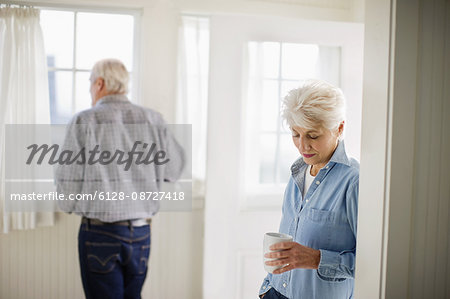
(320, 202)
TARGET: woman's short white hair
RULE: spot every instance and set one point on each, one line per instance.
(315, 103)
(114, 73)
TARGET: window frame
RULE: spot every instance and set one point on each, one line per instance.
(199, 172)
(136, 13)
(349, 38)
(255, 188)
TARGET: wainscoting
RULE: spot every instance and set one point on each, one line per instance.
(43, 263)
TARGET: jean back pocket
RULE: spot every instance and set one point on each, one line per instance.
(102, 257)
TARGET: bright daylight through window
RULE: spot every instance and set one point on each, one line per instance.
(74, 41)
(274, 68)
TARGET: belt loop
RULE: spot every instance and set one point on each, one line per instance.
(130, 225)
(88, 224)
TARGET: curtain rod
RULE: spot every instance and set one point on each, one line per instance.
(73, 7)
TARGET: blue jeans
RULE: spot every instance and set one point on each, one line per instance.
(273, 294)
(113, 260)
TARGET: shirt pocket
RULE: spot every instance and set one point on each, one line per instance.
(320, 229)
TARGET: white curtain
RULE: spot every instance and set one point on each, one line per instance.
(193, 65)
(24, 97)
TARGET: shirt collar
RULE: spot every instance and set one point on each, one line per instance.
(339, 156)
(112, 98)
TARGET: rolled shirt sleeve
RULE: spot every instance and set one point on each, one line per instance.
(265, 286)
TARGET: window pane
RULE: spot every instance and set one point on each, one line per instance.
(271, 59)
(57, 29)
(287, 155)
(102, 36)
(287, 86)
(254, 67)
(264, 59)
(193, 58)
(191, 36)
(60, 91)
(130, 95)
(82, 94)
(269, 106)
(299, 61)
(267, 148)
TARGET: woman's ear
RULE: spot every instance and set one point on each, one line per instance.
(341, 129)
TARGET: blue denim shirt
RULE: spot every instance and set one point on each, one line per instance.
(326, 220)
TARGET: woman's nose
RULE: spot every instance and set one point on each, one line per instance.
(304, 145)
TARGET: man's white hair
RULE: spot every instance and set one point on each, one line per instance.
(315, 103)
(114, 73)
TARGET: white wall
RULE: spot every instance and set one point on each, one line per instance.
(428, 266)
(404, 207)
(43, 263)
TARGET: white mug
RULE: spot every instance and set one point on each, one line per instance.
(269, 240)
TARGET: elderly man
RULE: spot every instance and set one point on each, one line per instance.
(126, 151)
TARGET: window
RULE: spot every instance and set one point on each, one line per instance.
(273, 69)
(193, 65)
(74, 41)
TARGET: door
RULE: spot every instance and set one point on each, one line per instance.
(254, 61)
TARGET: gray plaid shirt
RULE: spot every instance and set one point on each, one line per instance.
(111, 191)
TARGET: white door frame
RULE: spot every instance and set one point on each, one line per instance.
(374, 154)
(387, 149)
